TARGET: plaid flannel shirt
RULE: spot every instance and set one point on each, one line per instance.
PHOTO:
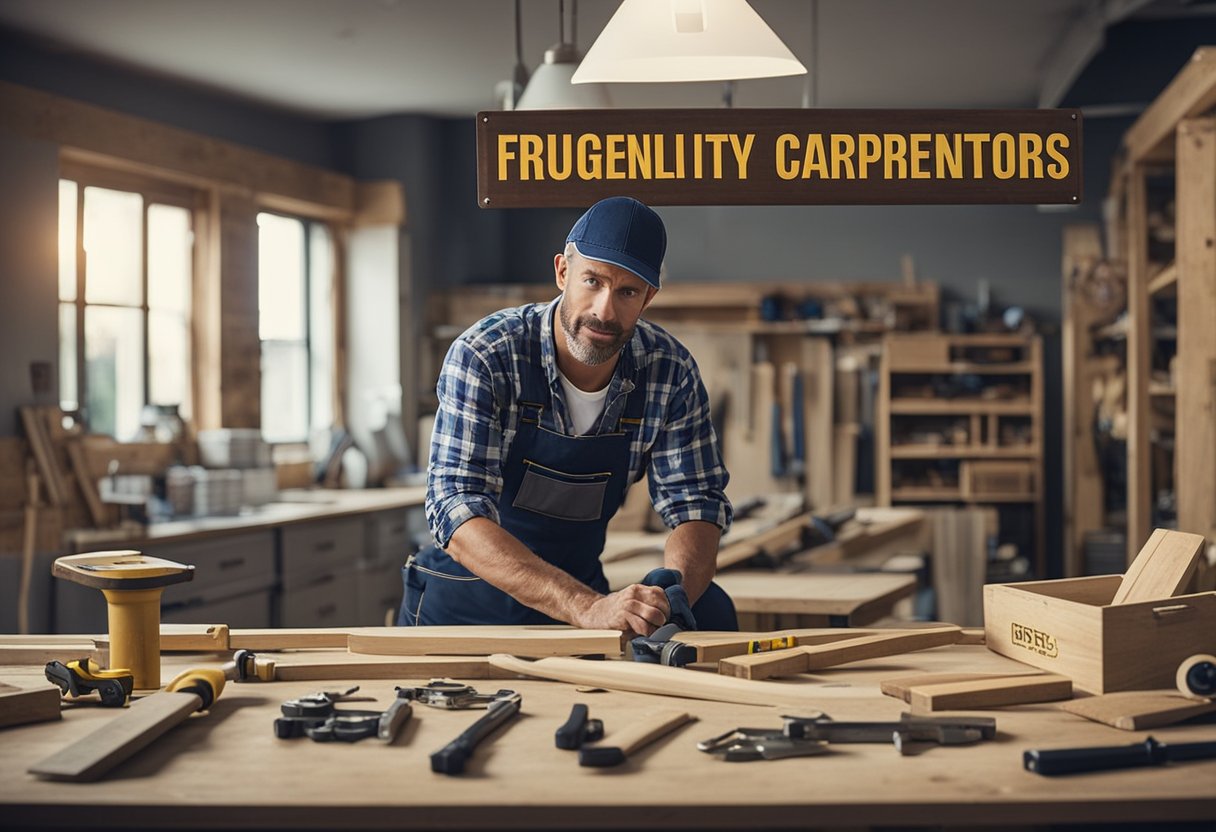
(479, 389)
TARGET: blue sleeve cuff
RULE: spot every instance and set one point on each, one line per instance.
(456, 512)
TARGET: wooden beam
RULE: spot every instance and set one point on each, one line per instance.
(1163, 568)
(1139, 365)
(1139, 710)
(92, 132)
(379, 203)
(989, 693)
(286, 668)
(1083, 492)
(1195, 422)
(20, 706)
(662, 681)
(1191, 93)
(821, 656)
(484, 640)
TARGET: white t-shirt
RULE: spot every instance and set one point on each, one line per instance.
(585, 408)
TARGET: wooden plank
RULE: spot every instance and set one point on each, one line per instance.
(1162, 569)
(783, 536)
(44, 455)
(90, 757)
(641, 731)
(821, 656)
(867, 596)
(1139, 710)
(1191, 93)
(36, 653)
(712, 647)
(1083, 492)
(661, 681)
(285, 639)
(96, 135)
(990, 693)
(87, 485)
(1139, 365)
(194, 637)
(484, 640)
(818, 367)
(20, 706)
(901, 687)
(290, 668)
(1195, 419)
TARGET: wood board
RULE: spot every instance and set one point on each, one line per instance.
(531, 641)
(93, 755)
(901, 687)
(1139, 710)
(1162, 569)
(820, 656)
(23, 705)
(660, 680)
(292, 668)
(284, 639)
(860, 597)
(989, 693)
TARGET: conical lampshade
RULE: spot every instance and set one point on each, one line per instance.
(550, 88)
(686, 40)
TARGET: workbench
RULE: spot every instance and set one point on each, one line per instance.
(226, 768)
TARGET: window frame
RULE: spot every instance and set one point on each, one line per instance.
(151, 191)
(308, 224)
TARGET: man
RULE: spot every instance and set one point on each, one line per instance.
(547, 413)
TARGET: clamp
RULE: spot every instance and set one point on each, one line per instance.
(316, 716)
(80, 677)
(449, 695)
(805, 736)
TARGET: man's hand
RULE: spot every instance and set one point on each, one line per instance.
(635, 609)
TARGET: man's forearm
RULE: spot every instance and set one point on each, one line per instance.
(496, 556)
(692, 548)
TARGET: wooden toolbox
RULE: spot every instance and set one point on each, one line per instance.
(1070, 627)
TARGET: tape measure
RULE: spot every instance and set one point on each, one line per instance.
(1196, 676)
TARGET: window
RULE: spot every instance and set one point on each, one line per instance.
(296, 327)
(126, 271)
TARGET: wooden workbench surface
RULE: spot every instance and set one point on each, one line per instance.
(227, 768)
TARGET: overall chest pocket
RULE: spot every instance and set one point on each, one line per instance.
(561, 495)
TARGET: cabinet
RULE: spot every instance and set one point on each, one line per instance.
(234, 579)
(960, 421)
(1170, 214)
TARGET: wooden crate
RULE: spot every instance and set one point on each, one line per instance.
(914, 352)
(992, 479)
(1071, 628)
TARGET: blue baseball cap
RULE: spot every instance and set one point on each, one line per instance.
(624, 232)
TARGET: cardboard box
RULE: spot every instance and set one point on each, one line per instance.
(1070, 627)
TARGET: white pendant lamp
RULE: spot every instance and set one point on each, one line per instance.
(686, 40)
(550, 88)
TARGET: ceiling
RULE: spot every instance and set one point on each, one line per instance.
(341, 59)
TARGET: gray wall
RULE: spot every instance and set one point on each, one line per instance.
(29, 269)
(449, 241)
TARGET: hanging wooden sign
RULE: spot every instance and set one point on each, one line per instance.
(571, 158)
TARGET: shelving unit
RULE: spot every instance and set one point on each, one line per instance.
(1171, 149)
(960, 420)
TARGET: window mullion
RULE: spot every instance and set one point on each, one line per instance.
(143, 277)
(82, 389)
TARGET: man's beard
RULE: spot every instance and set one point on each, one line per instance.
(587, 352)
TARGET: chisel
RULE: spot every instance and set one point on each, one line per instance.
(451, 758)
(1102, 758)
(615, 749)
(90, 757)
